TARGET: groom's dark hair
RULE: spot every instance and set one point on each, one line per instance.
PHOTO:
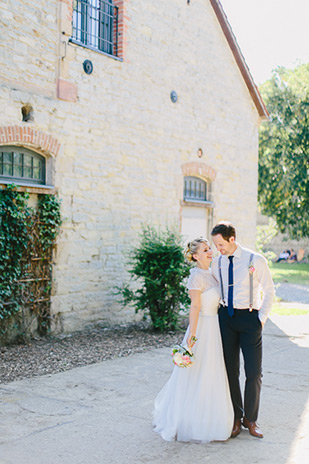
(224, 228)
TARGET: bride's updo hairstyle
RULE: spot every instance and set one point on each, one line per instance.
(193, 246)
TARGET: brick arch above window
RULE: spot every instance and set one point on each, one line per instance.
(196, 169)
(29, 138)
(38, 142)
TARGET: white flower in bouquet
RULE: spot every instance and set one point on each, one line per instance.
(181, 356)
(177, 358)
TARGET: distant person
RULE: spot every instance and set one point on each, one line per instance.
(293, 257)
(242, 274)
(284, 255)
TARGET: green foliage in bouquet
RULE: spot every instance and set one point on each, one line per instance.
(159, 267)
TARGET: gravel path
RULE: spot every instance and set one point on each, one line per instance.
(58, 354)
(293, 292)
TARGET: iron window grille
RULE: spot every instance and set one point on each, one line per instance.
(22, 166)
(95, 25)
(195, 189)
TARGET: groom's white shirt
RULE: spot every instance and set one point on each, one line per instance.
(262, 280)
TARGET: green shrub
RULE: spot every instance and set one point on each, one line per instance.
(159, 267)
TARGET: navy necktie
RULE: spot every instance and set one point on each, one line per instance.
(230, 308)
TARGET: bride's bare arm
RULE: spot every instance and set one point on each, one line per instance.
(195, 308)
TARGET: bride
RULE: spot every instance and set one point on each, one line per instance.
(195, 404)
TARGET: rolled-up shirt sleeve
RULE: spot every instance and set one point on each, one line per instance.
(264, 277)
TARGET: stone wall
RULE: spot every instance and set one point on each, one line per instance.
(122, 141)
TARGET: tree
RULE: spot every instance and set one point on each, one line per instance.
(283, 152)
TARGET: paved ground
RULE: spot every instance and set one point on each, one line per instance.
(102, 413)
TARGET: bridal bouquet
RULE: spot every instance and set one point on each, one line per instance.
(181, 356)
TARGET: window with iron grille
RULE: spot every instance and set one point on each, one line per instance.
(22, 166)
(95, 25)
(195, 189)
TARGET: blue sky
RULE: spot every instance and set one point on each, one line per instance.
(270, 33)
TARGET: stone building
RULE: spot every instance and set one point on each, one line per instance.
(134, 112)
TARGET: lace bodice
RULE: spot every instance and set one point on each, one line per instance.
(201, 279)
(204, 281)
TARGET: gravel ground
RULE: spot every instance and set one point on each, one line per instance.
(293, 292)
(58, 354)
(96, 344)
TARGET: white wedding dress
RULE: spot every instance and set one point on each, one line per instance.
(195, 403)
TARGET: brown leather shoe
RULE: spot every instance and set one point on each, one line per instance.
(254, 429)
(236, 428)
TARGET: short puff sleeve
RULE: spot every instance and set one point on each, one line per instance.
(196, 280)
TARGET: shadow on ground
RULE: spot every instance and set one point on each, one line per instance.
(102, 413)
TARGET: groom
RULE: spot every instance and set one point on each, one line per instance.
(241, 274)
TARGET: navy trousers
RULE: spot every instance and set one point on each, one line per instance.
(243, 331)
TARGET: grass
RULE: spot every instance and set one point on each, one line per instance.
(284, 310)
(296, 273)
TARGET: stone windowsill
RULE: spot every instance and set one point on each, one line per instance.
(89, 47)
(30, 188)
(199, 204)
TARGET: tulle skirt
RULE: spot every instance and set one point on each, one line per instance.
(195, 403)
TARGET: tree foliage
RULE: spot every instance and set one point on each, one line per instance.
(283, 152)
(264, 235)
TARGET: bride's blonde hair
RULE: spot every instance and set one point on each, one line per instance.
(193, 246)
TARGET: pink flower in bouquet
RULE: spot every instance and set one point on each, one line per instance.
(181, 356)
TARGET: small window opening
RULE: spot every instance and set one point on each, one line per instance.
(27, 112)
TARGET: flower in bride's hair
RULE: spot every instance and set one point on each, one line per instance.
(181, 356)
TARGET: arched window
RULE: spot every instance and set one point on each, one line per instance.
(22, 165)
(195, 189)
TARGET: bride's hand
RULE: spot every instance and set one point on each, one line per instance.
(191, 340)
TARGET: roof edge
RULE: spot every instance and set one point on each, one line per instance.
(239, 58)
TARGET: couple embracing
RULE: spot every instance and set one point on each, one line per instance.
(204, 403)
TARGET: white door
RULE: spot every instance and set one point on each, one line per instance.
(194, 223)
